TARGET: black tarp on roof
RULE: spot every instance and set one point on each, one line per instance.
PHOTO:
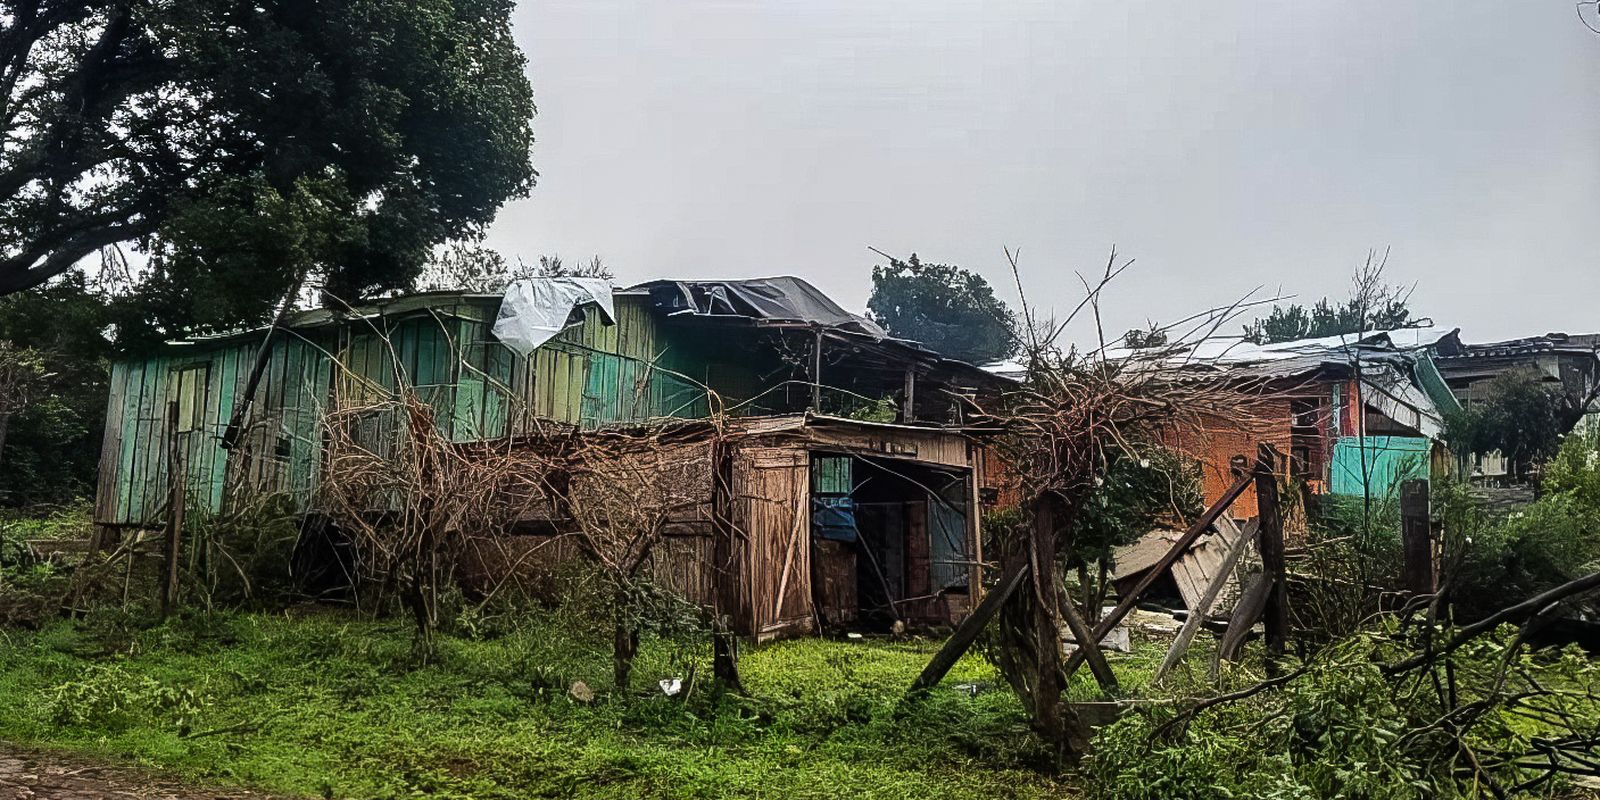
(781, 299)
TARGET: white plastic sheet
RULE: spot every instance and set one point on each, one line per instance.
(534, 310)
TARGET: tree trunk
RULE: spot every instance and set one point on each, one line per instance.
(5, 423)
(417, 599)
(725, 659)
(625, 645)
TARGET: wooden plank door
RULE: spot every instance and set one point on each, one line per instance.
(775, 505)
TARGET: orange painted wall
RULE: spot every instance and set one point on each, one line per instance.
(1222, 439)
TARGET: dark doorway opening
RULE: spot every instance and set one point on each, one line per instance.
(889, 542)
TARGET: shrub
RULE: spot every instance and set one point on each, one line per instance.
(244, 556)
(1546, 543)
(1345, 729)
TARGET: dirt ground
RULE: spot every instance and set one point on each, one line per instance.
(34, 775)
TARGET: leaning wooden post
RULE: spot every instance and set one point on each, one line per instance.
(1175, 552)
(1202, 609)
(1270, 530)
(1416, 537)
(1050, 681)
(725, 578)
(175, 500)
(967, 632)
(816, 373)
(1082, 634)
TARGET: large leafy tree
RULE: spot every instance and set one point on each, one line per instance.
(239, 144)
(52, 431)
(950, 309)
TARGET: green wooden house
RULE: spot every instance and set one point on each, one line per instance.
(671, 349)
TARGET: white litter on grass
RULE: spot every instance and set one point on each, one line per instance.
(670, 686)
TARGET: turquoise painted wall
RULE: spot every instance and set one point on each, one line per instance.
(1389, 460)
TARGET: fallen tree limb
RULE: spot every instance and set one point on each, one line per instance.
(1230, 697)
(1516, 613)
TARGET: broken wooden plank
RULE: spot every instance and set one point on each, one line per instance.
(967, 632)
(1178, 548)
(1245, 614)
(1199, 612)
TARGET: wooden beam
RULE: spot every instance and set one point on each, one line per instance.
(908, 410)
(175, 501)
(1245, 614)
(816, 373)
(1090, 646)
(230, 436)
(1126, 604)
(967, 632)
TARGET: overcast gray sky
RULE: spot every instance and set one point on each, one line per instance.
(1223, 145)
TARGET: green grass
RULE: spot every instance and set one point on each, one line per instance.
(55, 522)
(328, 704)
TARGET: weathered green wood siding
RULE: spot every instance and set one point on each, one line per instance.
(592, 374)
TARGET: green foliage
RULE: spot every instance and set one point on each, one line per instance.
(1536, 547)
(1574, 471)
(1137, 492)
(363, 132)
(884, 409)
(1344, 729)
(110, 698)
(951, 310)
(331, 704)
(1293, 322)
(52, 443)
(1518, 415)
(242, 558)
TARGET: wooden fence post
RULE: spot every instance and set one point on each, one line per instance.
(1416, 537)
(1270, 530)
(725, 571)
(175, 502)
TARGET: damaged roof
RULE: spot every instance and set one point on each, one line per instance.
(1236, 356)
(781, 300)
(1562, 343)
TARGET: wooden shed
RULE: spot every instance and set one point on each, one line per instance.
(798, 522)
